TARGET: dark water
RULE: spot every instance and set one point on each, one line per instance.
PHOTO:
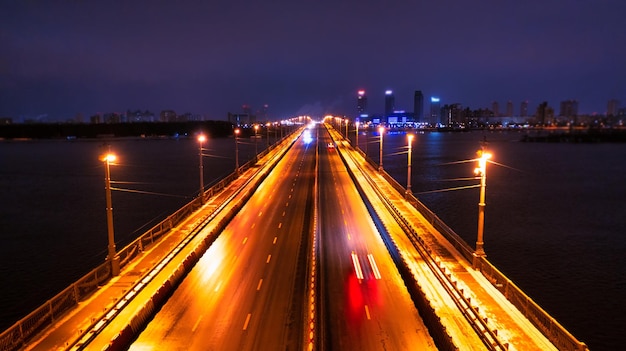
(555, 215)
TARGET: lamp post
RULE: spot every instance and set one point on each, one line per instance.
(381, 130)
(481, 170)
(201, 139)
(267, 126)
(236, 151)
(113, 260)
(356, 137)
(346, 135)
(256, 128)
(408, 176)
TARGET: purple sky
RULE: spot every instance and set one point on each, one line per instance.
(306, 56)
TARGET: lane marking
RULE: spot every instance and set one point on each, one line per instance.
(244, 241)
(268, 258)
(260, 213)
(357, 266)
(370, 257)
(275, 238)
(195, 326)
(245, 325)
(286, 204)
(367, 312)
(280, 225)
(218, 286)
(258, 287)
(283, 213)
(253, 224)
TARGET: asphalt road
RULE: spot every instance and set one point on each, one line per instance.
(365, 303)
(247, 291)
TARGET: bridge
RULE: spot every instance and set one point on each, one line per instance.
(308, 247)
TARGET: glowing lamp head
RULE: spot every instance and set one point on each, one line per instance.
(388, 92)
(201, 138)
(109, 158)
(381, 129)
(361, 92)
(237, 131)
(410, 137)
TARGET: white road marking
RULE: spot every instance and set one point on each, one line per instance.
(245, 325)
(195, 326)
(370, 257)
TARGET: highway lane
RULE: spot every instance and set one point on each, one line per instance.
(365, 305)
(247, 291)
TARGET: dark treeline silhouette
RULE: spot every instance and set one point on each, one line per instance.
(215, 129)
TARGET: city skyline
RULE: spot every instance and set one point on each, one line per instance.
(306, 58)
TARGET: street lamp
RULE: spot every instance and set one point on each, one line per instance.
(481, 171)
(381, 130)
(236, 151)
(408, 176)
(201, 139)
(356, 137)
(267, 126)
(113, 260)
(256, 128)
(346, 135)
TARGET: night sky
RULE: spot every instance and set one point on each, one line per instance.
(61, 58)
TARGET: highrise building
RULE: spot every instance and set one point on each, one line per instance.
(361, 102)
(418, 106)
(569, 108)
(612, 107)
(435, 110)
(509, 108)
(495, 108)
(390, 102)
(523, 110)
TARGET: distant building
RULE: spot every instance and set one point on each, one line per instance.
(361, 102)
(435, 110)
(569, 109)
(509, 108)
(400, 118)
(418, 106)
(167, 116)
(523, 110)
(544, 114)
(612, 108)
(495, 108)
(452, 114)
(390, 103)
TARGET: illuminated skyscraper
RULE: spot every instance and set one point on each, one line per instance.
(361, 102)
(418, 106)
(435, 110)
(390, 102)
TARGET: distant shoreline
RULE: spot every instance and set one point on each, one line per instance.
(148, 130)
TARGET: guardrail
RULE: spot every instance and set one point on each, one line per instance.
(18, 335)
(545, 323)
